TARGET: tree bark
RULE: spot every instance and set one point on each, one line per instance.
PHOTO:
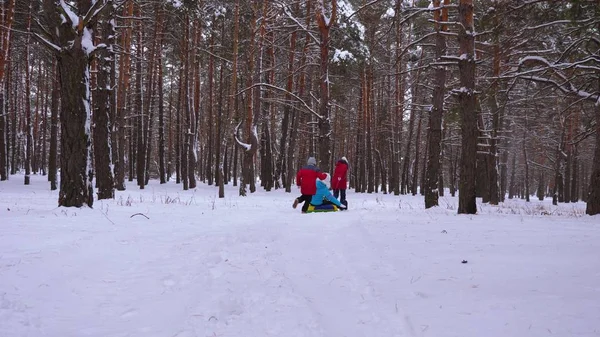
(140, 165)
(102, 108)
(526, 181)
(370, 172)
(28, 124)
(435, 115)
(219, 120)
(231, 103)
(575, 176)
(52, 165)
(74, 68)
(324, 104)
(468, 114)
(593, 200)
(162, 170)
(6, 21)
(120, 123)
(210, 137)
(280, 166)
(415, 173)
(513, 180)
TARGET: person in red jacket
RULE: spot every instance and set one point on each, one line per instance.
(307, 180)
(340, 180)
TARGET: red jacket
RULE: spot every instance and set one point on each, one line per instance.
(307, 179)
(339, 181)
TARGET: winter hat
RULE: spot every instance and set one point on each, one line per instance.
(326, 179)
(311, 161)
(344, 159)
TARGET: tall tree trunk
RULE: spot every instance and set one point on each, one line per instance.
(404, 184)
(250, 131)
(140, 119)
(122, 98)
(131, 137)
(468, 114)
(28, 125)
(219, 121)
(513, 180)
(435, 115)
(492, 160)
(162, 170)
(568, 165)
(575, 176)
(44, 113)
(6, 21)
(3, 133)
(11, 97)
(268, 111)
(194, 109)
(302, 93)
(526, 181)
(36, 134)
(557, 195)
(152, 64)
(102, 107)
(417, 157)
(74, 67)
(231, 104)
(210, 137)
(3, 138)
(423, 174)
(399, 101)
(52, 165)
(368, 136)
(185, 105)
(325, 22)
(541, 186)
(593, 200)
(280, 167)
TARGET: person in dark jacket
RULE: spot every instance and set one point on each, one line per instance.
(340, 180)
(307, 178)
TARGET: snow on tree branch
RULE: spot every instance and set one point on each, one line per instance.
(71, 17)
(565, 85)
(287, 12)
(46, 42)
(560, 22)
(96, 9)
(248, 147)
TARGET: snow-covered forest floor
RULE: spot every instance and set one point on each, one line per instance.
(165, 262)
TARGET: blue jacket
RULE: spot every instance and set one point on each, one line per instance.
(323, 193)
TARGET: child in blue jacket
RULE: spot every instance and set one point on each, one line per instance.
(323, 196)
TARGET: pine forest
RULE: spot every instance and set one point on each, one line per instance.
(490, 99)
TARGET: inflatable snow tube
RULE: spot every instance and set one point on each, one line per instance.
(322, 208)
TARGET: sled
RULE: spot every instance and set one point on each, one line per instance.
(322, 208)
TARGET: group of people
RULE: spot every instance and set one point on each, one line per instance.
(314, 185)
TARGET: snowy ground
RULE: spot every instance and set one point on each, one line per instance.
(194, 265)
